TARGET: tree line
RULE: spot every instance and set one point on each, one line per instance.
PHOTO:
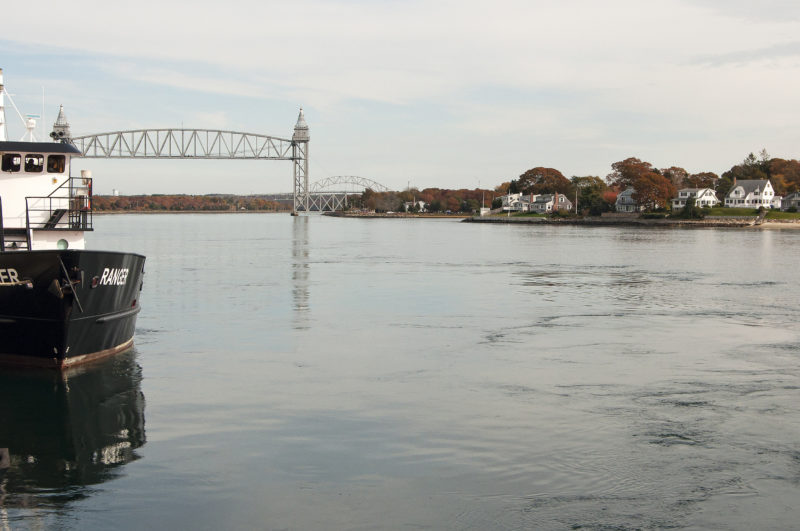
(185, 203)
(654, 188)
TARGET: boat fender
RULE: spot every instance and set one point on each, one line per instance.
(55, 289)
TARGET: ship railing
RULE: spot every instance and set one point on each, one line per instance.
(2, 229)
(68, 207)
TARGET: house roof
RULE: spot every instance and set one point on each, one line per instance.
(695, 191)
(750, 185)
(546, 198)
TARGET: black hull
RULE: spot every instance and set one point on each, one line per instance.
(60, 308)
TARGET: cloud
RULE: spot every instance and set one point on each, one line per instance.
(765, 10)
(771, 54)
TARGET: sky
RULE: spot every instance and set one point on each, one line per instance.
(435, 93)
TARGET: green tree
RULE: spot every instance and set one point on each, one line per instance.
(591, 191)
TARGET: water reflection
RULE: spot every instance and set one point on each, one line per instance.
(61, 432)
(300, 269)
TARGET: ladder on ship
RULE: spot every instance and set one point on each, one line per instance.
(12, 239)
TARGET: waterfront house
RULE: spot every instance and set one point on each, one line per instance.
(791, 201)
(546, 203)
(777, 202)
(626, 202)
(753, 193)
(409, 206)
(511, 202)
(527, 201)
(702, 197)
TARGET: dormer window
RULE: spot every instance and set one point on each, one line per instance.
(34, 163)
(11, 161)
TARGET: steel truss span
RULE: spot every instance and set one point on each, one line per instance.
(185, 144)
(361, 182)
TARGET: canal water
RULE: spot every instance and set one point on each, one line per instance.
(326, 373)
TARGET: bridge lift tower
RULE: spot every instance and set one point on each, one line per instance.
(300, 140)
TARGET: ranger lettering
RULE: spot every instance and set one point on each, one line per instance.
(8, 276)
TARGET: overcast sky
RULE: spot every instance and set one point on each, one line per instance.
(435, 93)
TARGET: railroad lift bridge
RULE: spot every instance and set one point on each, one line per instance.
(216, 144)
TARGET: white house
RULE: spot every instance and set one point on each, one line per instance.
(511, 202)
(546, 203)
(702, 197)
(408, 206)
(518, 202)
(626, 202)
(750, 194)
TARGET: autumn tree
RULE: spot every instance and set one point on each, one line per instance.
(784, 175)
(541, 180)
(626, 172)
(704, 179)
(676, 175)
(651, 189)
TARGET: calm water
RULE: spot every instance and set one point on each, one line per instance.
(323, 373)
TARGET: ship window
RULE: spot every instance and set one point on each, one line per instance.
(34, 163)
(56, 163)
(11, 161)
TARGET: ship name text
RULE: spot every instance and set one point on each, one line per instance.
(8, 276)
(114, 277)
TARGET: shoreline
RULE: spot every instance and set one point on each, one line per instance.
(116, 212)
(726, 222)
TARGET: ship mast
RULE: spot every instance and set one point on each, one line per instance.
(3, 136)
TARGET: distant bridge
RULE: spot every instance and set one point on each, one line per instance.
(327, 195)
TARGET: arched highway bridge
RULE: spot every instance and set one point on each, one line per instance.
(330, 194)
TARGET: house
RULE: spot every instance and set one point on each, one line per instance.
(702, 197)
(511, 202)
(527, 201)
(777, 202)
(409, 206)
(791, 201)
(518, 202)
(547, 203)
(626, 202)
(753, 193)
